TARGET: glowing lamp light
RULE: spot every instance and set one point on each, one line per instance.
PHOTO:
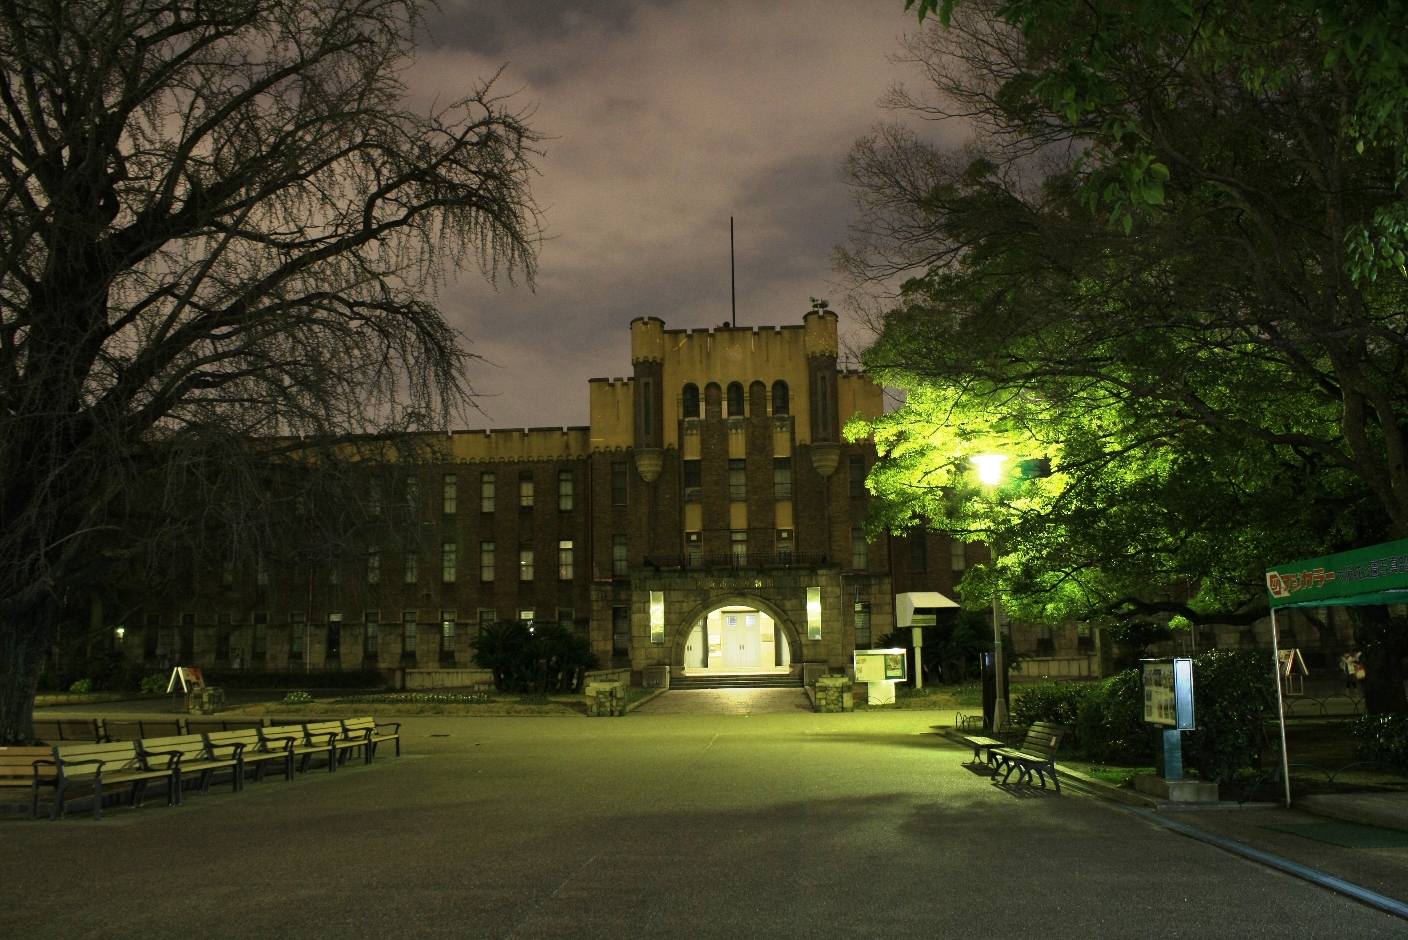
(989, 467)
(121, 632)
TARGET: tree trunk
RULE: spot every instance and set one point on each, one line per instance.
(23, 643)
(1383, 643)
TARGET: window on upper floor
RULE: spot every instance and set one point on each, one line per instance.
(618, 482)
(780, 403)
(860, 550)
(918, 551)
(958, 555)
(693, 481)
(525, 489)
(564, 490)
(855, 466)
(737, 480)
(735, 400)
(486, 492)
(691, 400)
(782, 478)
(620, 560)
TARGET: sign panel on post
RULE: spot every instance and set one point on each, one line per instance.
(1168, 693)
(880, 665)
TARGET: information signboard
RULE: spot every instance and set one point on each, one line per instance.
(1168, 693)
(887, 665)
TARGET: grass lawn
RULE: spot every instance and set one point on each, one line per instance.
(936, 697)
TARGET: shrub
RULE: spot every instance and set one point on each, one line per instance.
(1049, 701)
(1110, 721)
(298, 698)
(1382, 738)
(82, 686)
(1231, 692)
(156, 683)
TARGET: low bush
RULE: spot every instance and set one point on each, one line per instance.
(1232, 691)
(1049, 701)
(156, 683)
(1382, 738)
(82, 686)
(1110, 721)
(298, 698)
(419, 698)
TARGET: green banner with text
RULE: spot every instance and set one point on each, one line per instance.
(1374, 575)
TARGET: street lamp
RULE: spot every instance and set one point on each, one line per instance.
(990, 472)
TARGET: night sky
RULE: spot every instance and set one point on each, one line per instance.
(665, 118)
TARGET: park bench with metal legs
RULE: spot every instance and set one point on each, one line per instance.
(343, 742)
(55, 730)
(94, 766)
(31, 767)
(1037, 754)
(195, 756)
(979, 743)
(374, 734)
(304, 746)
(254, 752)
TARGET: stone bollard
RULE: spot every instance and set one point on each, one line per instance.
(605, 699)
(207, 701)
(833, 694)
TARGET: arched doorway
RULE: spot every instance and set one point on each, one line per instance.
(735, 636)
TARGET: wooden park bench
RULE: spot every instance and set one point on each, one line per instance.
(31, 767)
(52, 731)
(304, 746)
(980, 743)
(1037, 753)
(344, 742)
(94, 766)
(374, 734)
(195, 756)
(255, 752)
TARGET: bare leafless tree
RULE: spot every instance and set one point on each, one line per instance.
(219, 224)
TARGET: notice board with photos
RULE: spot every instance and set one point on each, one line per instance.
(888, 665)
(1168, 693)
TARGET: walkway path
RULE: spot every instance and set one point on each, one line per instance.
(728, 702)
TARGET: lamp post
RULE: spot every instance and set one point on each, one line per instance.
(990, 473)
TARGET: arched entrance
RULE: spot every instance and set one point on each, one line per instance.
(738, 635)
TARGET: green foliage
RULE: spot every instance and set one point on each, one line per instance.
(1133, 639)
(1382, 738)
(1110, 721)
(420, 698)
(155, 683)
(1049, 701)
(1231, 694)
(82, 686)
(539, 659)
(298, 698)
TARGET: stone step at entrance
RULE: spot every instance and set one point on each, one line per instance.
(773, 681)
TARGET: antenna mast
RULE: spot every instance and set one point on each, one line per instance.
(732, 281)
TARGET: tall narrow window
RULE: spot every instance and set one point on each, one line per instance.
(261, 572)
(261, 635)
(693, 481)
(813, 613)
(620, 561)
(222, 637)
(374, 497)
(918, 551)
(564, 490)
(620, 629)
(618, 482)
(823, 410)
(412, 498)
(860, 550)
(412, 568)
(958, 555)
(486, 492)
(735, 400)
(525, 489)
(781, 405)
(525, 562)
(862, 612)
(737, 480)
(782, 478)
(447, 632)
(409, 631)
(371, 635)
(855, 466)
(738, 541)
(1045, 644)
(297, 629)
(373, 566)
(332, 649)
(486, 561)
(647, 410)
(564, 560)
(450, 494)
(448, 562)
(227, 572)
(784, 545)
(691, 400)
(488, 616)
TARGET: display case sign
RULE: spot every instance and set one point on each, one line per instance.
(1168, 693)
(881, 665)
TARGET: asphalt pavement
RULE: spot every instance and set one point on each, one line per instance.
(700, 826)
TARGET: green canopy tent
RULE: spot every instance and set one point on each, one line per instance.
(1362, 577)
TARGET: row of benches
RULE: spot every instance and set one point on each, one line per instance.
(93, 766)
(99, 730)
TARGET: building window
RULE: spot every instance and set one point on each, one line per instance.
(823, 410)
(813, 613)
(918, 552)
(409, 629)
(620, 629)
(373, 566)
(261, 635)
(332, 649)
(856, 465)
(566, 616)
(227, 573)
(371, 634)
(860, 550)
(1044, 643)
(564, 490)
(412, 568)
(693, 548)
(620, 561)
(261, 572)
(693, 481)
(486, 492)
(448, 562)
(863, 639)
(335, 574)
(222, 636)
(447, 631)
(618, 482)
(297, 629)
(564, 560)
(1085, 639)
(737, 480)
(526, 616)
(647, 410)
(782, 478)
(739, 542)
(488, 616)
(525, 489)
(450, 493)
(374, 497)
(780, 403)
(691, 400)
(735, 400)
(525, 562)
(412, 498)
(784, 543)
(657, 617)
(486, 561)
(957, 555)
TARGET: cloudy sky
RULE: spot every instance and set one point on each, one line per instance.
(666, 118)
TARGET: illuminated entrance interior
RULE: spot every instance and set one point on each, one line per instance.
(739, 640)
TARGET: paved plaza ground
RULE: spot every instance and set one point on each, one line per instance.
(777, 825)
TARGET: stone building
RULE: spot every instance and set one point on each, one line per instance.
(708, 522)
